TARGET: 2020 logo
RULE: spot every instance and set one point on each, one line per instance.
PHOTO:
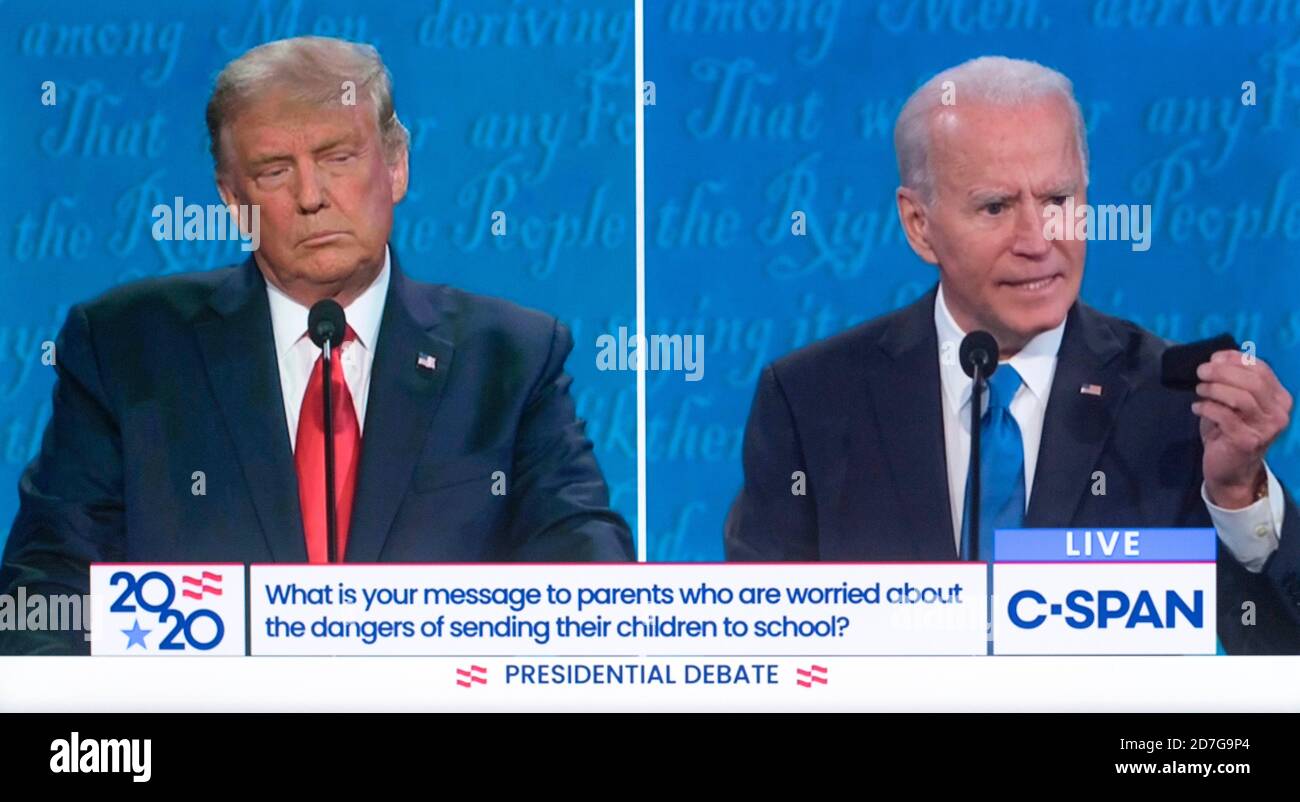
(154, 592)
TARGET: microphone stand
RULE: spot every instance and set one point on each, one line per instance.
(331, 524)
(976, 413)
(974, 470)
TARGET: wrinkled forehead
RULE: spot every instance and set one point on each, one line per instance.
(1033, 141)
(278, 121)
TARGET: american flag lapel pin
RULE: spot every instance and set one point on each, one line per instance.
(426, 361)
(1091, 389)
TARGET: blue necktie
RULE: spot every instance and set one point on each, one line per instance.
(1002, 467)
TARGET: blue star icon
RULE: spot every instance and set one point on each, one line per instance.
(136, 635)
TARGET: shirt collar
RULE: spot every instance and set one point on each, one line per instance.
(289, 318)
(1036, 362)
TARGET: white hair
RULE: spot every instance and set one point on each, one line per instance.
(312, 69)
(988, 79)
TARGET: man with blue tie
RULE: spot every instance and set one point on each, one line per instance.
(876, 420)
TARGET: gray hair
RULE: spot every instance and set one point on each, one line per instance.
(312, 69)
(990, 79)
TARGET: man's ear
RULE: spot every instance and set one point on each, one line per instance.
(912, 215)
(399, 172)
(226, 190)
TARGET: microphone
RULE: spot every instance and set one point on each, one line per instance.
(978, 355)
(978, 350)
(326, 321)
(327, 325)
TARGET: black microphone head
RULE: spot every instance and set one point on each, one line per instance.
(978, 348)
(326, 321)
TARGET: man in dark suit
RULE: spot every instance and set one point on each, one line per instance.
(857, 446)
(187, 422)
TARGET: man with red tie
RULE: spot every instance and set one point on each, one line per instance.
(455, 436)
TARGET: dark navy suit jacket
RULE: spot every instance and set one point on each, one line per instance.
(163, 378)
(860, 414)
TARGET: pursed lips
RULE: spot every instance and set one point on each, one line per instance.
(319, 235)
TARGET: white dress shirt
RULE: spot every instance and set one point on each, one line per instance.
(1251, 533)
(297, 354)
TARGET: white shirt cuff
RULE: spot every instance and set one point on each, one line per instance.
(1251, 533)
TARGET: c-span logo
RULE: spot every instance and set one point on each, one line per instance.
(1118, 590)
(168, 609)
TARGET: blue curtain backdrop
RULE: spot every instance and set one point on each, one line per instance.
(770, 106)
(524, 107)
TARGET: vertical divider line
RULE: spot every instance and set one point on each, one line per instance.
(639, 68)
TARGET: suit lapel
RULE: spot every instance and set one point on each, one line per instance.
(238, 349)
(907, 397)
(1077, 423)
(404, 395)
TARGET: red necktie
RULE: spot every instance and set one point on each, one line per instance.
(309, 456)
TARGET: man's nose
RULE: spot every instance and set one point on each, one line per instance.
(310, 189)
(1031, 235)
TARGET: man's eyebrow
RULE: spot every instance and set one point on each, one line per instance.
(1068, 187)
(982, 196)
(345, 139)
(268, 158)
(261, 161)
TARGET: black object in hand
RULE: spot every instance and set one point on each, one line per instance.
(1179, 363)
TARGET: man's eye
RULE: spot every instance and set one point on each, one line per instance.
(340, 158)
(1059, 200)
(274, 172)
(997, 207)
